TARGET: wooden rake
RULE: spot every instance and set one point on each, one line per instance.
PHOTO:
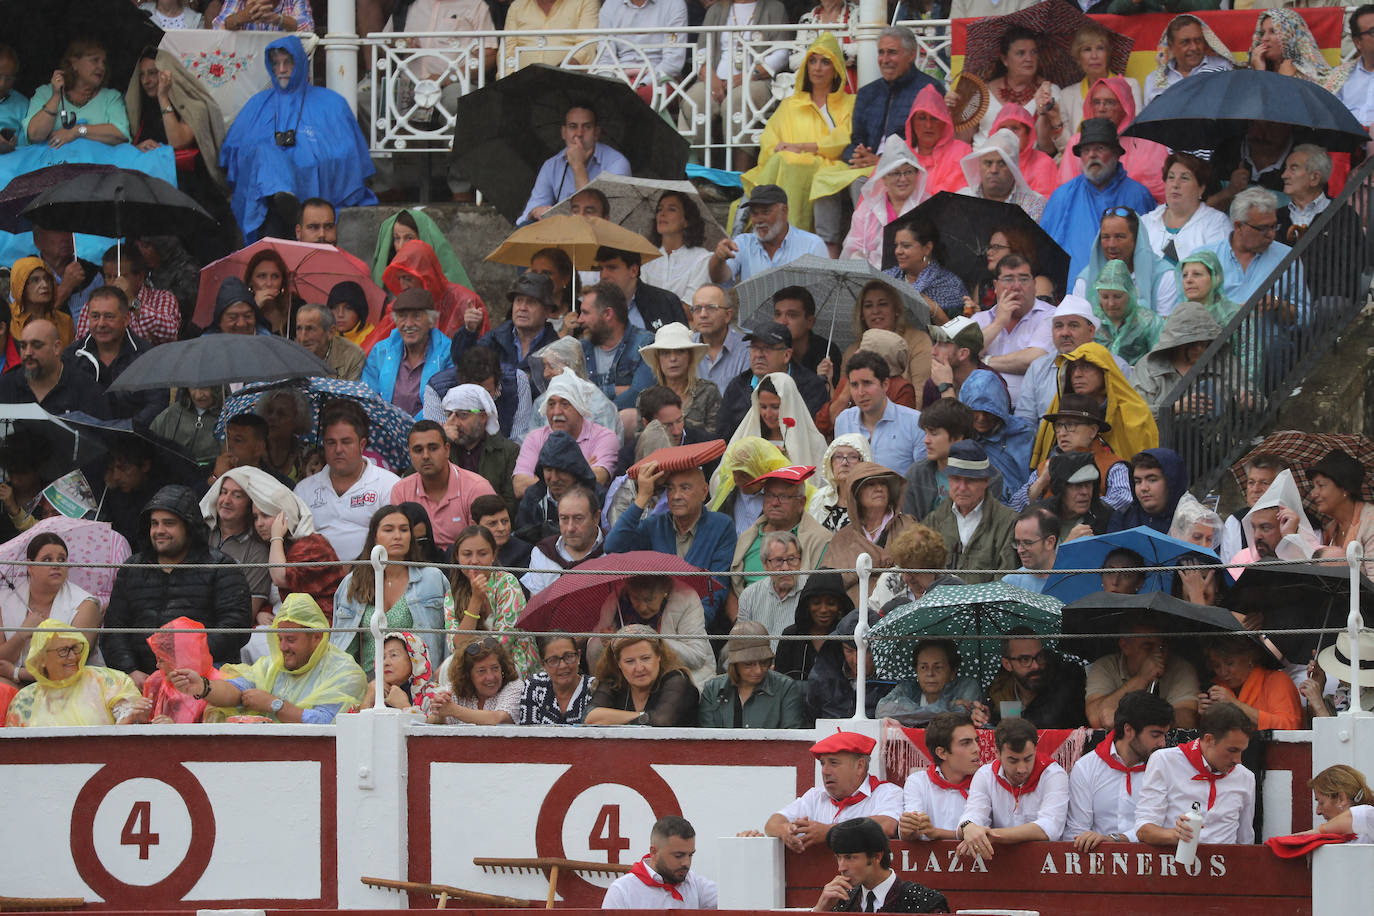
(553, 867)
(445, 892)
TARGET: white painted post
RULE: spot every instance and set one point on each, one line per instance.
(873, 15)
(864, 567)
(1354, 554)
(341, 53)
(378, 621)
(750, 874)
(1340, 879)
(371, 815)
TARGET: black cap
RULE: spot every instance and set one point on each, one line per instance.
(1098, 130)
(856, 836)
(535, 285)
(765, 195)
(771, 333)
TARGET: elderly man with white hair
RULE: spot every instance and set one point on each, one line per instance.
(993, 173)
(1250, 253)
(1305, 174)
(566, 409)
(1074, 324)
(399, 366)
(475, 441)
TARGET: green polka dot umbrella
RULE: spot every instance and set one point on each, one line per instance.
(959, 612)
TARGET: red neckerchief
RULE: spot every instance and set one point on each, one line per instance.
(1104, 750)
(842, 803)
(1192, 752)
(938, 781)
(641, 871)
(1041, 762)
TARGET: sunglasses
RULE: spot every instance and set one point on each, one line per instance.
(482, 646)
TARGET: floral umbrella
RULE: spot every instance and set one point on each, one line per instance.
(390, 425)
(960, 612)
(87, 542)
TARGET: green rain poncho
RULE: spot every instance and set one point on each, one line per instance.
(1139, 327)
(329, 683)
(430, 233)
(91, 696)
(1221, 308)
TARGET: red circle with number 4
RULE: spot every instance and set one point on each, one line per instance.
(176, 885)
(548, 834)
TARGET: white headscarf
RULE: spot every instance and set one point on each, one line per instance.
(1005, 144)
(269, 497)
(802, 442)
(896, 153)
(567, 385)
(473, 397)
(827, 495)
(1283, 492)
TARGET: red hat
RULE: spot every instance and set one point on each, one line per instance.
(1298, 844)
(844, 743)
(793, 473)
(681, 457)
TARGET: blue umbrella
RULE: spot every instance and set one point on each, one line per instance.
(390, 425)
(1202, 111)
(1090, 553)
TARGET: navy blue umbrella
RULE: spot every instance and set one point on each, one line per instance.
(1203, 110)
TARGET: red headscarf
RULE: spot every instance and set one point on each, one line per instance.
(418, 260)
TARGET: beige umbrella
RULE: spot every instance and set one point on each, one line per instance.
(578, 236)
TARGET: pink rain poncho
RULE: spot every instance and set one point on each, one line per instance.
(943, 171)
(178, 650)
(1037, 167)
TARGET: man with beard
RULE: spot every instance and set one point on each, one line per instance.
(611, 344)
(1020, 797)
(933, 798)
(1036, 684)
(45, 381)
(317, 222)
(866, 882)
(76, 278)
(1101, 788)
(1277, 526)
(663, 879)
(475, 440)
(1144, 663)
(1075, 209)
(773, 243)
(444, 491)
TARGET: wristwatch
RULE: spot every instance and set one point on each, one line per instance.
(276, 706)
(959, 831)
(81, 130)
(944, 386)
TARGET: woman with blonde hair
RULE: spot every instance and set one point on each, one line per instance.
(77, 94)
(1091, 47)
(641, 681)
(880, 306)
(673, 357)
(1345, 801)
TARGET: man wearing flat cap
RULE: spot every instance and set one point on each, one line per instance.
(866, 882)
(977, 529)
(770, 350)
(847, 791)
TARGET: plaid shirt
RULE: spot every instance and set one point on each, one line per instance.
(156, 316)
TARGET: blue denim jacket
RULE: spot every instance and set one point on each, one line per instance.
(425, 594)
(627, 367)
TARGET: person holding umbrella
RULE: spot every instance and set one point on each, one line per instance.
(667, 607)
(75, 105)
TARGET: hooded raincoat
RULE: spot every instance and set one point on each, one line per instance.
(20, 272)
(853, 539)
(1036, 166)
(91, 696)
(796, 657)
(1155, 375)
(418, 260)
(537, 516)
(876, 209)
(330, 681)
(431, 234)
(178, 650)
(1175, 481)
(824, 504)
(1148, 272)
(1009, 445)
(1216, 303)
(329, 157)
(1139, 328)
(802, 443)
(942, 162)
(798, 120)
(1144, 159)
(1133, 426)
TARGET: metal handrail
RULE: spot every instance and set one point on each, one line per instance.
(1244, 377)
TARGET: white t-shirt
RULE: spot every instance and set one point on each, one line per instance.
(1047, 805)
(1169, 789)
(1362, 816)
(882, 799)
(343, 519)
(628, 892)
(1098, 799)
(945, 807)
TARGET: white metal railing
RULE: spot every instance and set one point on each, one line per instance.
(410, 105)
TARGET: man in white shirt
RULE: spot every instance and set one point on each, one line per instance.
(933, 799)
(1020, 797)
(1016, 332)
(1353, 81)
(344, 495)
(663, 879)
(664, 49)
(849, 791)
(579, 539)
(1208, 771)
(1102, 785)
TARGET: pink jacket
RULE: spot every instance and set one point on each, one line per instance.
(943, 171)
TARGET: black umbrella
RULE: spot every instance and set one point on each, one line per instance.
(509, 128)
(49, 445)
(1305, 595)
(22, 189)
(118, 203)
(965, 225)
(1108, 615)
(220, 359)
(41, 32)
(1203, 111)
(170, 463)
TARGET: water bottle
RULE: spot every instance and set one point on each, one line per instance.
(1186, 854)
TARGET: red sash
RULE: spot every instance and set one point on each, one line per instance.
(1192, 751)
(641, 871)
(1041, 762)
(1104, 750)
(842, 803)
(938, 781)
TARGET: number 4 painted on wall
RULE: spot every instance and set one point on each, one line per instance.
(606, 836)
(138, 829)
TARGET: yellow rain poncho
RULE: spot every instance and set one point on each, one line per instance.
(798, 120)
(331, 678)
(753, 456)
(91, 696)
(1133, 426)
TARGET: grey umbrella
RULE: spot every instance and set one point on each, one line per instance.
(835, 285)
(220, 359)
(634, 200)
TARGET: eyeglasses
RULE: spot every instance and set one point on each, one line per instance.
(905, 174)
(779, 497)
(790, 561)
(1067, 425)
(703, 309)
(1025, 661)
(992, 247)
(1269, 229)
(846, 458)
(1027, 544)
(481, 646)
(67, 651)
(567, 658)
(1016, 280)
(1365, 34)
(1118, 211)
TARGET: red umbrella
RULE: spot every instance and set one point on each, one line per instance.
(314, 270)
(1055, 25)
(574, 602)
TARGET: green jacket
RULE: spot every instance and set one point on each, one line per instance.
(498, 467)
(776, 703)
(989, 548)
